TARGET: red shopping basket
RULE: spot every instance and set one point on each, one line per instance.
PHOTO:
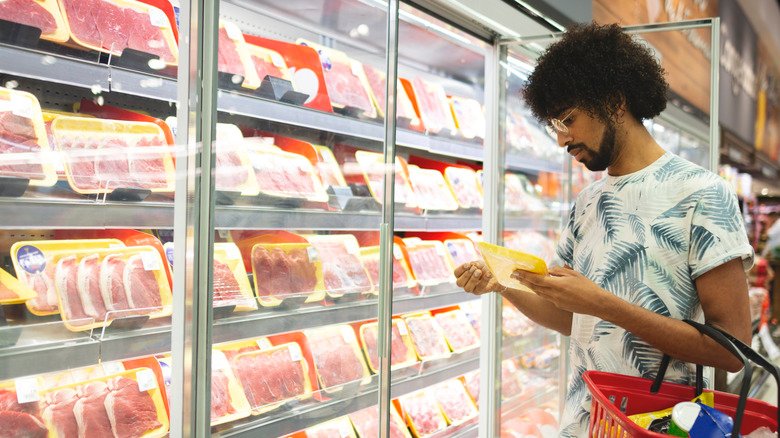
(615, 396)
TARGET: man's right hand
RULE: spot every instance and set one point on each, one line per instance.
(476, 278)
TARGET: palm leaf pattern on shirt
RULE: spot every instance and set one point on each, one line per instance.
(643, 296)
(702, 240)
(682, 208)
(608, 210)
(602, 328)
(573, 223)
(624, 258)
(637, 226)
(679, 169)
(718, 205)
(669, 236)
(565, 250)
(679, 286)
(634, 179)
(585, 264)
(642, 356)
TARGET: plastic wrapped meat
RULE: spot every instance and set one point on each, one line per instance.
(336, 355)
(399, 351)
(431, 189)
(427, 337)
(433, 106)
(454, 401)
(423, 414)
(465, 187)
(457, 329)
(280, 272)
(429, 264)
(271, 376)
(462, 251)
(366, 422)
(342, 271)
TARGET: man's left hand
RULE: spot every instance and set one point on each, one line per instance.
(567, 290)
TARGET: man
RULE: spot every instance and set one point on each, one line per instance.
(657, 240)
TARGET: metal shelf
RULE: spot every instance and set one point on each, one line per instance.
(549, 221)
(74, 350)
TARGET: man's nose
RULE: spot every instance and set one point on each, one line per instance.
(563, 139)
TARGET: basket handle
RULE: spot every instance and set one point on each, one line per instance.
(721, 339)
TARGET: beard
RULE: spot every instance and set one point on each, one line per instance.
(604, 157)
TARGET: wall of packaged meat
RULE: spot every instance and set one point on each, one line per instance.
(92, 165)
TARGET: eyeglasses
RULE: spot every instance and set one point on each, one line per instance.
(557, 126)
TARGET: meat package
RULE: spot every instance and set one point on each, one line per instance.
(402, 350)
(268, 62)
(366, 422)
(427, 336)
(21, 419)
(473, 311)
(458, 332)
(455, 403)
(35, 268)
(272, 376)
(464, 185)
(102, 155)
(471, 383)
(402, 275)
(429, 261)
(231, 282)
(461, 251)
(468, 116)
(328, 167)
(345, 79)
(42, 14)
(13, 291)
(531, 242)
(372, 164)
(112, 26)
(337, 428)
(431, 189)
(234, 348)
(233, 168)
(422, 414)
(287, 270)
(514, 323)
(286, 175)
(127, 404)
(80, 374)
(432, 105)
(404, 109)
(24, 145)
(342, 270)
(511, 384)
(337, 357)
(517, 196)
(233, 56)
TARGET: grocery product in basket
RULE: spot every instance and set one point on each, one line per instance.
(338, 427)
(461, 251)
(286, 175)
(431, 189)
(454, 402)
(285, 270)
(403, 105)
(42, 14)
(698, 419)
(373, 167)
(272, 376)
(664, 416)
(102, 155)
(267, 62)
(366, 422)
(24, 144)
(234, 57)
(342, 271)
(345, 79)
(427, 336)
(469, 117)
(429, 261)
(402, 276)
(432, 105)
(20, 419)
(336, 354)
(112, 26)
(503, 261)
(401, 347)
(12, 291)
(422, 414)
(457, 330)
(464, 185)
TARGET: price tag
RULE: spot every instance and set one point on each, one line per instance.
(397, 252)
(219, 361)
(352, 246)
(263, 343)
(313, 255)
(21, 106)
(112, 367)
(158, 18)
(295, 353)
(356, 70)
(26, 390)
(151, 261)
(402, 328)
(146, 380)
(232, 253)
(233, 32)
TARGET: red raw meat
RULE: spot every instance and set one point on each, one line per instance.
(283, 174)
(14, 424)
(510, 384)
(147, 167)
(344, 88)
(19, 148)
(80, 157)
(265, 68)
(230, 171)
(66, 278)
(453, 400)
(424, 413)
(220, 396)
(29, 13)
(58, 411)
(279, 273)
(141, 286)
(378, 83)
(399, 275)
(90, 411)
(89, 287)
(147, 37)
(112, 164)
(132, 413)
(343, 271)
(9, 402)
(113, 26)
(335, 359)
(398, 349)
(457, 329)
(13, 124)
(269, 377)
(112, 286)
(464, 184)
(366, 423)
(228, 59)
(428, 266)
(79, 14)
(6, 293)
(226, 288)
(426, 337)
(436, 116)
(472, 385)
(43, 284)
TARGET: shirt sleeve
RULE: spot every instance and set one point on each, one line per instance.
(717, 231)
(564, 252)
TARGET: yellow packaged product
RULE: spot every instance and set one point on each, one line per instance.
(454, 401)
(427, 336)
(645, 419)
(342, 270)
(102, 155)
(33, 266)
(287, 270)
(338, 427)
(328, 167)
(283, 174)
(468, 116)
(233, 168)
(268, 62)
(231, 282)
(378, 85)
(272, 376)
(372, 165)
(13, 291)
(41, 14)
(129, 402)
(503, 261)
(234, 57)
(335, 368)
(422, 414)
(429, 262)
(431, 189)
(458, 332)
(26, 152)
(402, 348)
(402, 274)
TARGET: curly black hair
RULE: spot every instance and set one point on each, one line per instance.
(595, 68)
